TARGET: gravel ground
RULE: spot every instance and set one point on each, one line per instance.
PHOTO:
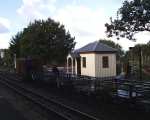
(29, 110)
(92, 105)
(105, 110)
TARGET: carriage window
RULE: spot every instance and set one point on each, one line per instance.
(84, 62)
(105, 62)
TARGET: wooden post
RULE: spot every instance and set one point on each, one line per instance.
(140, 62)
(72, 65)
(67, 65)
(130, 90)
(15, 61)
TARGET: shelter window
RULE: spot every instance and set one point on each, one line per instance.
(84, 62)
(105, 62)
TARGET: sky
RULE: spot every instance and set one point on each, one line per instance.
(84, 19)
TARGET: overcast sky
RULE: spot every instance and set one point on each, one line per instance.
(84, 19)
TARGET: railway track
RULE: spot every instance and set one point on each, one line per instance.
(61, 111)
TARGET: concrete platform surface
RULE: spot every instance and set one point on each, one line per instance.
(7, 112)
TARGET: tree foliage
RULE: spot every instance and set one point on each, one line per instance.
(132, 17)
(135, 53)
(45, 39)
(8, 59)
(15, 44)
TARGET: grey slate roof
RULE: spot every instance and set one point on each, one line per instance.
(96, 47)
(93, 47)
(75, 54)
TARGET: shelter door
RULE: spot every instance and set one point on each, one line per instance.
(78, 66)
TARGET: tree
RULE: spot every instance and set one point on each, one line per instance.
(112, 44)
(132, 17)
(15, 44)
(8, 59)
(45, 39)
(145, 49)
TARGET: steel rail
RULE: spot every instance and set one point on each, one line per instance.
(82, 115)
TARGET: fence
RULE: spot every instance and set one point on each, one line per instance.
(139, 60)
(125, 88)
(82, 82)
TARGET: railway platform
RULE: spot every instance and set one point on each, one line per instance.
(7, 112)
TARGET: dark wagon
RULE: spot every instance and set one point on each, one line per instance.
(29, 68)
